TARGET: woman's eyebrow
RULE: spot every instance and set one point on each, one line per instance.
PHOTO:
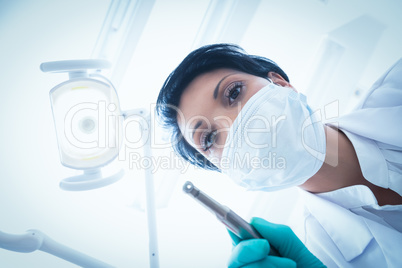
(218, 85)
(197, 125)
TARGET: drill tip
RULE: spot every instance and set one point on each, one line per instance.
(188, 186)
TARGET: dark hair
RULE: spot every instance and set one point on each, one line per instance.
(200, 61)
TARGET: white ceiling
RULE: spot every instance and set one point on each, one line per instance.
(100, 223)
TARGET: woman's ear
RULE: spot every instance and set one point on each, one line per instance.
(279, 80)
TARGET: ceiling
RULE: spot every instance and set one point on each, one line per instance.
(103, 223)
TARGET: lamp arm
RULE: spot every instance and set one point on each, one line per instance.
(150, 197)
(36, 240)
(136, 112)
(23, 243)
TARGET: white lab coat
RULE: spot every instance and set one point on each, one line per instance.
(347, 227)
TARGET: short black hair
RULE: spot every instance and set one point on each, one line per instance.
(202, 60)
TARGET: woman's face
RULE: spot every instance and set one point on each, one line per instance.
(211, 103)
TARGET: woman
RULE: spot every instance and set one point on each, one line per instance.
(238, 114)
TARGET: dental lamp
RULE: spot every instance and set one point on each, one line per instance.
(88, 121)
(89, 127)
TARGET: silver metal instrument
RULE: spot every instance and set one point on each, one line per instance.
(230, 219)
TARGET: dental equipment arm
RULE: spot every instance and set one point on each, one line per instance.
(36, 240)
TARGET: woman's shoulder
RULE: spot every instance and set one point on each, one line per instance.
(387, 90)
(377, 117)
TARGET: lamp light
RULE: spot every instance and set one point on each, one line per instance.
(88, 122)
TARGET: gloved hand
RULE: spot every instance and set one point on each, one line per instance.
(253, 253)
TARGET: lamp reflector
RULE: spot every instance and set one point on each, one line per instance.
(88, 122)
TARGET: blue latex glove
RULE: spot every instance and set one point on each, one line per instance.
(253, 253)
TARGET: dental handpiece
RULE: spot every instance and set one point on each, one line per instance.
(229, 218)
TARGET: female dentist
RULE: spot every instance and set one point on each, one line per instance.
(237, 113)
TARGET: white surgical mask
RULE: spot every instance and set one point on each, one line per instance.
(275, 142)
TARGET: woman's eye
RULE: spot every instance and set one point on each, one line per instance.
(207, 140)
(233, 91)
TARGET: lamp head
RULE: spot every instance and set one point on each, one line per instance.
(87, 117)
